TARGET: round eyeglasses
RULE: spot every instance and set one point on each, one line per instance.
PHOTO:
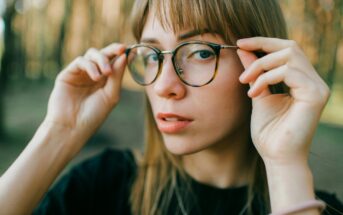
(195, 62)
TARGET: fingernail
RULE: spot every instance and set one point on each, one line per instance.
(240, 41)
(118, 61)
(250, 92)
(122, 49)
(243, 76)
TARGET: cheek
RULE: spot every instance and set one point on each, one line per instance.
(227, 98)
(231, 73)
(229, 104)
(226, 83)
(220, 109)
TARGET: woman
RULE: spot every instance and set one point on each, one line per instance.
(215, 145)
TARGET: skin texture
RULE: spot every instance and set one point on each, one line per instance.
(282, 126)
(84, 94)
(214, 146)
(214, 118)
(216, 142)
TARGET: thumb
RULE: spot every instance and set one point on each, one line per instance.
(114, 80)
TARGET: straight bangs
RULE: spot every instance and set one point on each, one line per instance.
(178, 15)
(230, 19)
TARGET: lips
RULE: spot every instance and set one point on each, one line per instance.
(172, 123)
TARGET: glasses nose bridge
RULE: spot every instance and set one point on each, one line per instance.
(162, 62)
(162, 57)
(162, 53)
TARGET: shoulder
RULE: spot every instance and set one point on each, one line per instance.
(108, 161)
(333, 204)
(110, 170)
(98, 185)
(106, 165)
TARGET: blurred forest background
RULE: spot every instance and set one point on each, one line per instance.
(39, 37)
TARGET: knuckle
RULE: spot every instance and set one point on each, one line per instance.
(59, 75)
(90, 51)
(289, 52)
(112, 45)
(261, 79)
(290, 66)
(118, 46)
(294, 47)
(103, 59)
(325, 92)
(91, 65)
(88, 65)
(79, 59)
(293, 44)
(321, 91)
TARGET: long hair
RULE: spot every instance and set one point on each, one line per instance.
(158, 171)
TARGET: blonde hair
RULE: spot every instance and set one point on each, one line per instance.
(159, 171)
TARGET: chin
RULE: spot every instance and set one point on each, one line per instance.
(180, 146)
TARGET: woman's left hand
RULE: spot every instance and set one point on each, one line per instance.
(282, 125)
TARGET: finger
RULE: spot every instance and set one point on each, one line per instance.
(263, 81)
(80, 64)
(113, 84)
(266, 63)
(113, 50)
(265, 44)
(100, 60)
(247, 59)
(292, 78)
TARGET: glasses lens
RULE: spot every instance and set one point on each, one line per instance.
(196, 63)
(143, 64)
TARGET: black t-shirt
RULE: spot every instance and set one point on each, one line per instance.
(101, 185)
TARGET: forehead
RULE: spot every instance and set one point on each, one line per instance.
(155, 30)
(154, 26)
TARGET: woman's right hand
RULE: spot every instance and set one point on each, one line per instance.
(87, 90)
(84, 94)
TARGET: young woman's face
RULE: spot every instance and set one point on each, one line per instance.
(192, 119)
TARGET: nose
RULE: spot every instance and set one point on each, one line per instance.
(168, 84)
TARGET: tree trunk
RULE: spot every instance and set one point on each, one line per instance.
(6, 64)
(337, 26)
(68, 7)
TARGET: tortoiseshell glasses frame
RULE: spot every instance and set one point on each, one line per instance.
(145, 62)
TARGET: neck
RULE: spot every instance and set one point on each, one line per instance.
(225, 164)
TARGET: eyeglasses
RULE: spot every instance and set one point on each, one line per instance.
(195, 62)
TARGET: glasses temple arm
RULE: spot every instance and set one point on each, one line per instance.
(228, 47)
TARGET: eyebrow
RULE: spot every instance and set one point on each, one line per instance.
(180, 37)
(189, 34)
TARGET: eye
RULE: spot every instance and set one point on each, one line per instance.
(150, 58)
(201, 54)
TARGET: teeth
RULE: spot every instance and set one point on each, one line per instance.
(171, 119)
